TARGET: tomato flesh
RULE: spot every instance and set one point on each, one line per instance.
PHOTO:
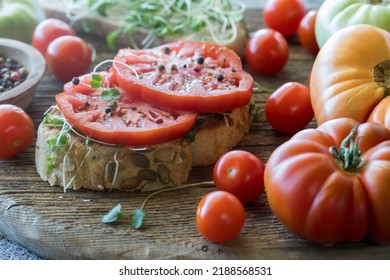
(188, 75)
(124, 121)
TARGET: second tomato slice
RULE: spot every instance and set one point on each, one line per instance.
(187, 75)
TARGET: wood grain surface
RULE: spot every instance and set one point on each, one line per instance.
(58, 225)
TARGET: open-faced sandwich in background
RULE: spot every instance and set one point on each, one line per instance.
(146, 121)
(144, 24)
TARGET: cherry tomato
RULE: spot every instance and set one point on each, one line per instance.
(48, 30)
(241, 174)
(16, 131)
(306, 32)
(220, 216)
(266, 52)
(284, 15)
(67, 57)
(288, 109)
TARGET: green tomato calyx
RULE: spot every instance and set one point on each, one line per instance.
(349, 155)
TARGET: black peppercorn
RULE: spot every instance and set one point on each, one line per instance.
(75, 81)
(200, 60)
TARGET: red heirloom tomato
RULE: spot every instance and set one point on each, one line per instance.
(350, 76)
(266, 52)
(109, 114)
(306, 32)
(240, 173)
(48, 30)
(188, 75)
(331, 184)
(288, 109)
(68, 57)
(284, 15)
(16, 131)
(220, 216)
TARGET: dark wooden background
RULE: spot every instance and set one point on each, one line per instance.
(57, 225)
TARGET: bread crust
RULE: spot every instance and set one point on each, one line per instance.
(218, 134)
(96, 166)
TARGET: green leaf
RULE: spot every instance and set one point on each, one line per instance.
(113, 215)
(111, 39)
(61, 140)
(53, 120)
(110, 94)
(50, 166)
(96, 80)
(137, 218)
(102, 8)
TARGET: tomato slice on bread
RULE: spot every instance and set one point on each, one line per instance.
(188, 75)
(121, 119)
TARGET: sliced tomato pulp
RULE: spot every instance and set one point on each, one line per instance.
(188, 75)
(120, 120)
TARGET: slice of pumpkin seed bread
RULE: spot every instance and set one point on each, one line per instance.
(65, 158)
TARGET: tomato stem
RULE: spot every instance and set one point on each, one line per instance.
(382, 75)
(349, 155)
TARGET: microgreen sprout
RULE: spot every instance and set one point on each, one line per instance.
(107, 94)
(259, 88)
(115, 214)
(96, 81)
(203, 20)
(255, 109)
(110, 93)
(115, 62)
(137, 216)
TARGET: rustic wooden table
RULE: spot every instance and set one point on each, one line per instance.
(57, 225)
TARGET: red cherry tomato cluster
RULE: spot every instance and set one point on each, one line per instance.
(267, 49)
(288, 109)
(66, 55)
(238, 177)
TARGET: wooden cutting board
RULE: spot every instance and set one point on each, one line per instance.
(58, 225)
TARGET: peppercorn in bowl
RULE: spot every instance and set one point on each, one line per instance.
(21, 69)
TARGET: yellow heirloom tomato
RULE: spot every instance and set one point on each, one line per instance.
(351, 76)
